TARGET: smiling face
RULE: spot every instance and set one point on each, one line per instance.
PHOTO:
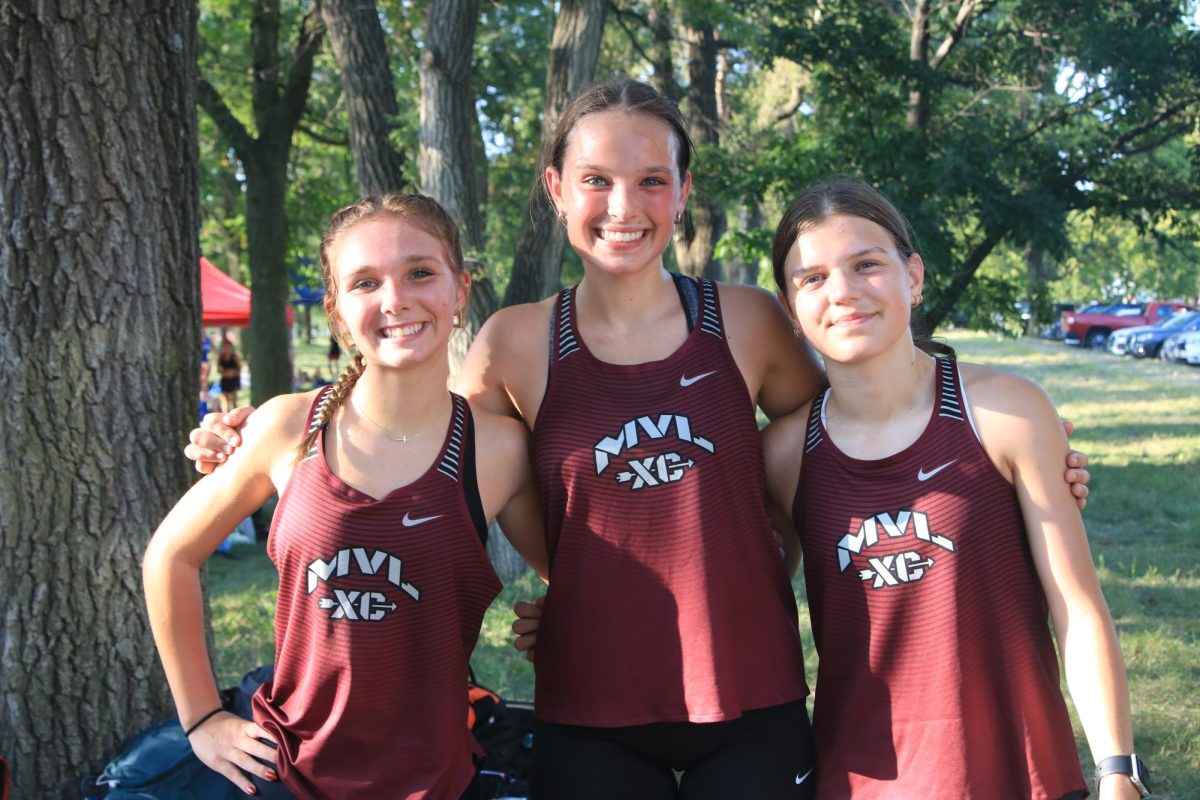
(397, 293)
(620, 189)
(850, 289)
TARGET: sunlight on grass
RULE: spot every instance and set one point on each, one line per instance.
(1139, 421)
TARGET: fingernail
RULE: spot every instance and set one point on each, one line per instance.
(271, 776)
(251, 790)
(226, 449)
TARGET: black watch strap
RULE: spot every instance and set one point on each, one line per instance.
(1131, 766)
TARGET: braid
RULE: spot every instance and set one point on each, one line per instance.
(339, 392)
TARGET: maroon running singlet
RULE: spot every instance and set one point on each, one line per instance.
(938, 676)
(668, 599)
(379, 608)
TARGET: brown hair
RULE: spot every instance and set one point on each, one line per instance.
(418, 210)
(841, 196)
(855, 198)
(626, 95)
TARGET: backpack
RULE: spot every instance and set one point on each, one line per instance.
(158, 764)
(504, 729)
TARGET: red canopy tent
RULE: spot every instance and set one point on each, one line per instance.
(225, 302)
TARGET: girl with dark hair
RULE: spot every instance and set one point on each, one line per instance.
(937, 538)
(386, 482)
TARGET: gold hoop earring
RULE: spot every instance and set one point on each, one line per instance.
(917, 299)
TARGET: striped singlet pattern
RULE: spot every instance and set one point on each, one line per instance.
(380, 603)
(937, 676)
(668, 599)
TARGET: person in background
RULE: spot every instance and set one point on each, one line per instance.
(937, 538)
(230, 368)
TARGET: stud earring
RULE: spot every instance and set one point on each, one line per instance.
(679, 218)
(457, 319)
(562, 216)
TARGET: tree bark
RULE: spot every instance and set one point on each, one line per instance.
(694, 245)
(918, 53)
(537, 264)
(99, 348)
(451, 144)
(360, 48)
(279, 93)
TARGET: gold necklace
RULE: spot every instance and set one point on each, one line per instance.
(402, 439)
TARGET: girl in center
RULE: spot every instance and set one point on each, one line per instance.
(669, 640)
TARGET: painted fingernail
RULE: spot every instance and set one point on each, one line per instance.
(271, 776)
(251, 790)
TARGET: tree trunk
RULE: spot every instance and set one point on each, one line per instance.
(267, 348)
(695, 244)
(99, 348)
(537, 264)
(360, 48)
(279, 96)
(451, 143)
(918, 53)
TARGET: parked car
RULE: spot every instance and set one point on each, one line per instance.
(1092, 329)
(1147, 342)
(1187, 347)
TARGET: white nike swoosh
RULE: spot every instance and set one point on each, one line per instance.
(410, 521)
(686, 381)
(922, 475)
(802, 778)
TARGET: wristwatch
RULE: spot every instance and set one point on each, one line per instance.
(1131, 766)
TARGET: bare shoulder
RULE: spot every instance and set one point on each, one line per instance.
(280, 423)
(779, 368)
(994, 391)
(1014, 416)
(749, 304)
(505, 367)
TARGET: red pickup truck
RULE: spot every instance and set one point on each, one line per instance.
(1091, 329)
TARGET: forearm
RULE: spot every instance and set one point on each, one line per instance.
(1096, 678)
(174, 600)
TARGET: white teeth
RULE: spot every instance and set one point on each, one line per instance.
(403, 330)
(621, 236)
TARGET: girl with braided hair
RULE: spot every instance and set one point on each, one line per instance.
(386, 482)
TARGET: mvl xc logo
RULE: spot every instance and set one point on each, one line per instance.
(650, 470)
(358, 605)
(892, 569)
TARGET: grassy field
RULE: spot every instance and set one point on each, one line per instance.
(1139, 421)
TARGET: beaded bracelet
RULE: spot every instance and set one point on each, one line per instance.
(202, 720)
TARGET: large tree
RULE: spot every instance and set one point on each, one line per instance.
(99, 345)
(279, 92)
(989, 121)
(360, 47)
(537, 264)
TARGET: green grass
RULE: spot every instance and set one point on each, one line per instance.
(1139, 421)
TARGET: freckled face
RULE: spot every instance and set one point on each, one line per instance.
(849, 288)
(620, 189)
(397, 292)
